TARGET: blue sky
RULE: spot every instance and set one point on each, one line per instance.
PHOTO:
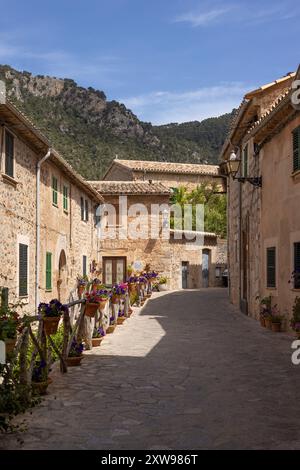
(167, 60)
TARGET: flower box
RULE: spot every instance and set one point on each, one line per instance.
(40, 388)
(91, 309)
(74, 361)
(50, 325)
(121, 320)
(111, 329)
(97, 341)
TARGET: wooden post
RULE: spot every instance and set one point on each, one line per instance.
(4, 297)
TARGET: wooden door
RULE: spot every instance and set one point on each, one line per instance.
(114, 270)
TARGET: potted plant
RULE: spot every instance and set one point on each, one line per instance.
(162, 284)
(96, 284)
(98, 335)
(132, 284)
(276, 319)
(50, 314)
(92, 303)
(265, 312)
(82, 282)
(112, 325)
(40, 379)
(118, 292)
(75, 354)
(295, 321)
(104, 296)
(9, 325)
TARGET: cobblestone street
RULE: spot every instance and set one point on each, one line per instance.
(187, 372)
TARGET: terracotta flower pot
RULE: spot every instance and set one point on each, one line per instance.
(115, 299)
(268, 323)
(262, 321)
(276, 327)
(102, 304)
(40, 388)
(80, 290)
(10, 344)
(121, 320)
(91, 309)
(132, 287)
(74, 361)
(97, 341)
(111, 329)
(51, 325)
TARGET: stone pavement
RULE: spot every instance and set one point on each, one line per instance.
(187, 372)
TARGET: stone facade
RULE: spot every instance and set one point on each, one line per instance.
(262, 218)
(171, 175)
(62, 232)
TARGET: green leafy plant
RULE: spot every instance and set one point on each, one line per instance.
(162, 280)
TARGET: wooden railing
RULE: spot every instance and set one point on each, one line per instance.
(75, 325)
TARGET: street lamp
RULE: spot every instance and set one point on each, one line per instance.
(233, 166)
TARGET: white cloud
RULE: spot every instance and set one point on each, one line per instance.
(201, 18)
(163, 107)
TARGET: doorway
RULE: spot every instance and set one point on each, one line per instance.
(114, 270)
(62, 277)
(205, 267)
(184, 274)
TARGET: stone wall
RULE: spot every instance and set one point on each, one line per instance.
(18, 219)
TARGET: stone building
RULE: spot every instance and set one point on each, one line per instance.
(184, 263)
(63, 220)
(264, 229)
(170, 174)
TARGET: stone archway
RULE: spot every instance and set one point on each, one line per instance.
(62, 277)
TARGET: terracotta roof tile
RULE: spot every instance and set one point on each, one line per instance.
(130, 187)
(170, 167)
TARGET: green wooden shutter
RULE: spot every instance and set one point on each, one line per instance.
(84, 264)
(297, 265)
(48, 271)
(86, 210)
(9, 154)
(23, 270)
(82, 208)
(271, 267)
(296, 149)
(65, 198)
(54, 191)
(245, 161)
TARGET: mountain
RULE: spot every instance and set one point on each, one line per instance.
(89, 131)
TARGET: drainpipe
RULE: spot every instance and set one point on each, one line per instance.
(38, 226)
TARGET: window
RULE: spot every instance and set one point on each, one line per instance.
(297, 265)
(48, 271)
(296, 149)
(9, 154)
(84, 265)
(271, 267)
(245, 162)
(23, 270)
(54, 191)
(66, 198)
(84, 207)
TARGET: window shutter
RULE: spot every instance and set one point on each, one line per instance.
(86, 218)
(65, 198)
(48, 271)
(82, 208)
(84, 263)
(23, 270)
(9, 154)
(54, 190)
(296, 149)
(297, 265)
(271, 267)
(245, 161)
